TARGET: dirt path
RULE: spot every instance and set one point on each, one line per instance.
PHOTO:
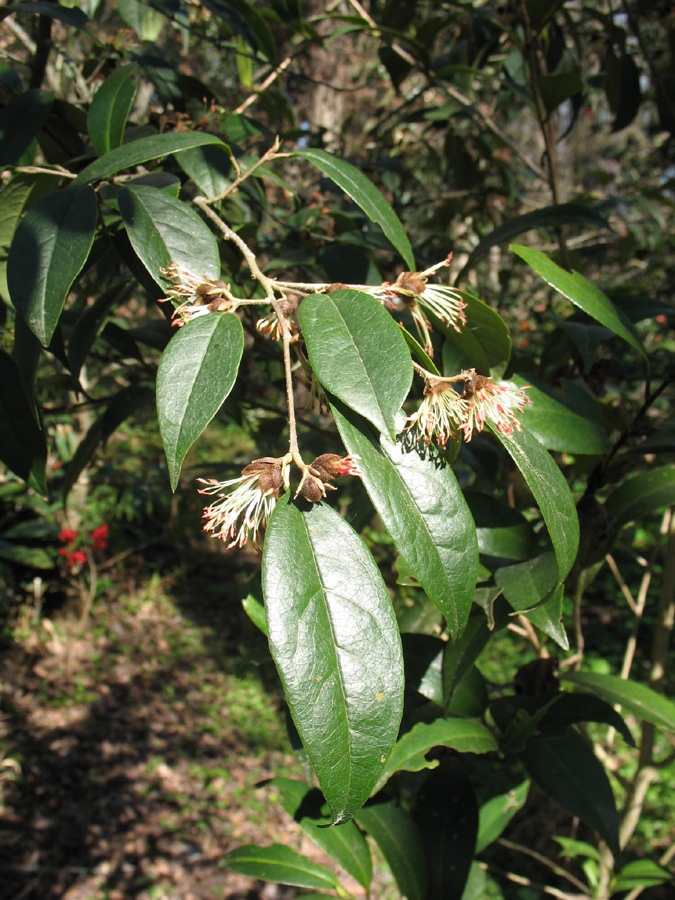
(137, 749)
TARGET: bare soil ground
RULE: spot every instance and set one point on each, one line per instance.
(133, 750)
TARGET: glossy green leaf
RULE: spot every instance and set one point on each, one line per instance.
(645, 494)
(446, 814)
(501, 530)
(410, 751)
(583, 293)
(20, 193)
(495, 815)
(20, 121)
(424, 511)
(551, 492)
(336, 645)
(395, 834)
(638, 699)
(526, 585)
(195, 375)
(547, 217)
(23, 447)
(109, 110)
(420, 353)
(346, 845)
(567, 769)
(484, 341)
(556, 426)
(364, 193)
(358, 353)
(143, 150)
(50, 247)
(163, 230)
(279, 864)
(209, 167)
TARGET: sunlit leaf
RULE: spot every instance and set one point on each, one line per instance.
(336, 645)
(279, 864)
(195, 375)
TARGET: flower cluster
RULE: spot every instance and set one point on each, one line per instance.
(77, 546)
(445, 414)
(243, 505)
(243, 513)
(195, 296)
(270, 325)
(422, 299)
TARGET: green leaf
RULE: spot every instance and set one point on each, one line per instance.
(209, 167)
(495, 815)
(470, 698)
(558, 87)
(551, 492)
(556, 426)
(279, 864)
(71, 16)
(547, 217)
(35, 557)
(501, 530)
(109, 110)
(425, 513)
(133, 153)
(484, 340)
(335, 642)
(358, 353)
(395, 834)
(582, 293)
(20, 121)
(462, 735)
(23, 448)
(447, 817)
(19, 194)
(246, 21)
(50, 247)
(256, 612)
(364, 193)
(346, 845)
(526, 585)
(645, 494)
(196, 373)
(638, 699)
(640, 873)
(423, 655)
(567, 769)
(569, 709)
(622, 86)
(460, 654)
(163, 230)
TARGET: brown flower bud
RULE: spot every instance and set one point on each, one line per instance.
(326, 466)
(311, 489)
(435, 386)
(336, 286)
(411, 283)
(474, 384)
(270, 476)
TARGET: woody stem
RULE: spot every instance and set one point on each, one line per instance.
(267, 285)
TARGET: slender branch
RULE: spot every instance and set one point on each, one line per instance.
(253, 96)
(554, 867)
(242, 176)
(464, 375)
(268, 286)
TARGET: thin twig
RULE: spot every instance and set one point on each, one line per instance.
(253, 96)
(242, 176)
